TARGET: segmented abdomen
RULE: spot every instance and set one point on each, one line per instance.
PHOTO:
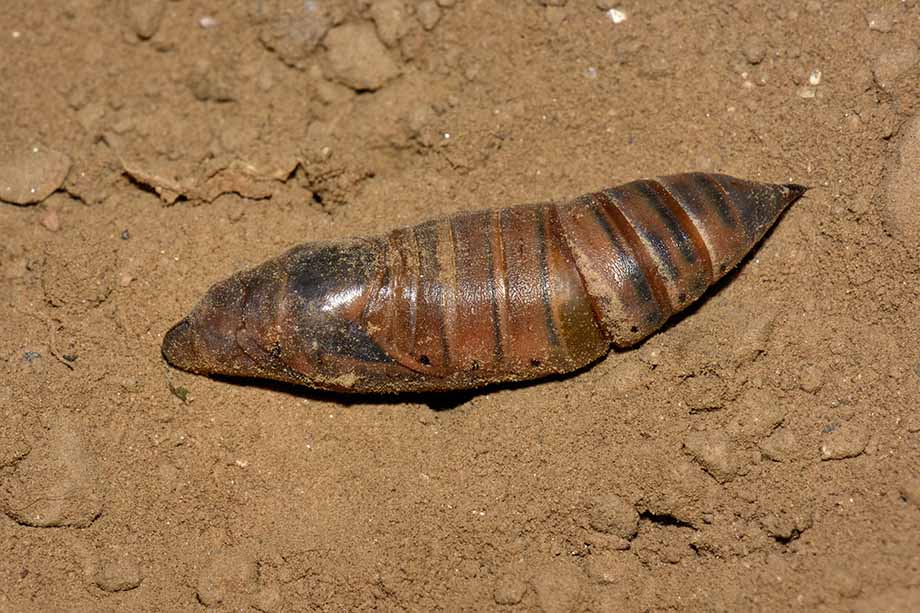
(546, 288)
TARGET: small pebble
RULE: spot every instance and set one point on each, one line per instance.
(31, 174)
(144, 16)
(125, 279)
(811, 379)
(814, 77)
(715, 453)
(912, 424)
(119, 575)
(910, 491)
(357, 58)
(509, 590)
(428, 14)
(50, 220)
(616, 16)
(389, 17)
(125, 235)
(880, 21)
(207, 22)
(754, 49)
(780, 446)
(847, 441)
(613, 514)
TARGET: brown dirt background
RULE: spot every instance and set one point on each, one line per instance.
(762, 453)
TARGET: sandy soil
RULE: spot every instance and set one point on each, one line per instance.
(762, 453)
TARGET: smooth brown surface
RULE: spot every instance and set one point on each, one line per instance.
(760, 454)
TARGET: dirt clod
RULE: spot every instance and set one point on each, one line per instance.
(358, 59)
(29, 174)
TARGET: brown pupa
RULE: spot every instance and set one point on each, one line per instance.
(475, 298)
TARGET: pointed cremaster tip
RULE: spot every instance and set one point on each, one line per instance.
(795, 191)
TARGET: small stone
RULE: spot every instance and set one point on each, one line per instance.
(509, 590)
(50, 220)
(119, 575)
(227, 574)
(612, 514)
(31, 174)
(814, 77)
(754, 49)
(811, 379)
(880, 21)
(125, 279)
(779, 446)
(806, 92)
(616, 16)
(847, 441)
(910, 491)
(144, 16)
(715, 454)
(389, 17)
(912, 423)
(891, 65)
(358, 59)
(294, 29)
(428, 14)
